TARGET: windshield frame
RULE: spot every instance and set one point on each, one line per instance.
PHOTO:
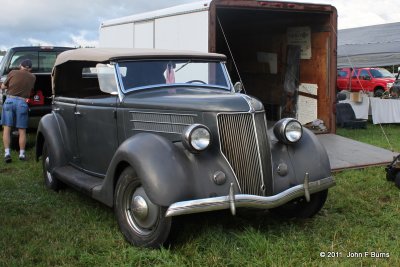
(228, 88)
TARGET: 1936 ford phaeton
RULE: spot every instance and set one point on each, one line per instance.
(156, 134)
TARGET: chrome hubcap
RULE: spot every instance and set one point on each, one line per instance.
(141, 212)
(139, 208)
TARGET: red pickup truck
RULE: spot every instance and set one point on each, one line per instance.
(376, 80)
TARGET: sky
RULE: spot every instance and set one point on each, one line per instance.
(76, 22)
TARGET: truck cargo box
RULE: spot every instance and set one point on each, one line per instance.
(257, 36)
(260, 39)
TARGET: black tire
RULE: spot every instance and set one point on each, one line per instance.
(397, 180)
(142, 222)
(300, 208)
(379, 92)
(390, 174)
(50, 181)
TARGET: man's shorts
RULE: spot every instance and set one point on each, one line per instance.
(15, 113)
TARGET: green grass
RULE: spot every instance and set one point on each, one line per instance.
(39, 227)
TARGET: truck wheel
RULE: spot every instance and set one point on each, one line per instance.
(300, 208)
(49, 179)
(397, 180)
(378, 92)
(142, 222)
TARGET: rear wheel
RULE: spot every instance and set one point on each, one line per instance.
(300, 208)
(142, 222)
(49, 179)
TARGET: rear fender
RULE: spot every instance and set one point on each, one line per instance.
(49, 131)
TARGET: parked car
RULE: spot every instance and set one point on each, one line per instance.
(43, 58)
(158, 133)
(374, 80)
(395, 89)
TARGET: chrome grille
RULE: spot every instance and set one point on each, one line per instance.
(243, 139)
(161, 122)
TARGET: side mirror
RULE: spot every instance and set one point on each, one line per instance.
(238, 87)
(367, 78)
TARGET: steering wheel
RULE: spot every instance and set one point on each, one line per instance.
(196, 81)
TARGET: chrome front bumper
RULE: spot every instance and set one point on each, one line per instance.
(232, 201)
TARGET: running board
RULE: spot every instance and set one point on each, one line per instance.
(77, 179)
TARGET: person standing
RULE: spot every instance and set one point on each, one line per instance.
(19, 84)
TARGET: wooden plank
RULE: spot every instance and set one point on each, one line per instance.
(345, 153)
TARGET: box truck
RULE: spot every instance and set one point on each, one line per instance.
(257, 37)
(284, 54)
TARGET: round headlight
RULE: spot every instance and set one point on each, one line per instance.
(288, 130)
(197, 138)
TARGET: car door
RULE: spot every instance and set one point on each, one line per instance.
(365, 80)
(355, 80)
(96, 132)
(96, 119)
(64, 109)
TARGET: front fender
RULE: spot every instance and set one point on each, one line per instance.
(306, 156)
(163, 169)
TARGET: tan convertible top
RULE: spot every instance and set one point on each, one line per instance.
(107, 54)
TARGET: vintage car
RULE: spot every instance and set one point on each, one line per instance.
(157, 134)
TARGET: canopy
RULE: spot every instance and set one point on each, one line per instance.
(370, 46)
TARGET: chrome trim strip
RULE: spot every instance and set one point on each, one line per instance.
(162, 122)
(270, 146)
(258, 153)
(121, 88)
(220, 144)
(229, 164)
(246, 98)
(155, 131)
(163, 113)
(124, 90)
(247, 201)
(190, 85)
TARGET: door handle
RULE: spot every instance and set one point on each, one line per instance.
(77, 113)
(56, 109)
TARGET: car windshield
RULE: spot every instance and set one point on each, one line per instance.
(166, 73)
(381, 73)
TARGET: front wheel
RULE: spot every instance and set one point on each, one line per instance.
(300, 208)
(379, 92)
(142, 222)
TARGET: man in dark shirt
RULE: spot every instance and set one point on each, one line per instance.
(19, 84)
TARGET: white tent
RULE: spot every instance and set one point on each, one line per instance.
(370, 46)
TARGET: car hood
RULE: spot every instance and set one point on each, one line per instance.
(389, 80)
(191, 100)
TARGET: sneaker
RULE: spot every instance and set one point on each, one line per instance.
(7, 158)
(22, 157)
